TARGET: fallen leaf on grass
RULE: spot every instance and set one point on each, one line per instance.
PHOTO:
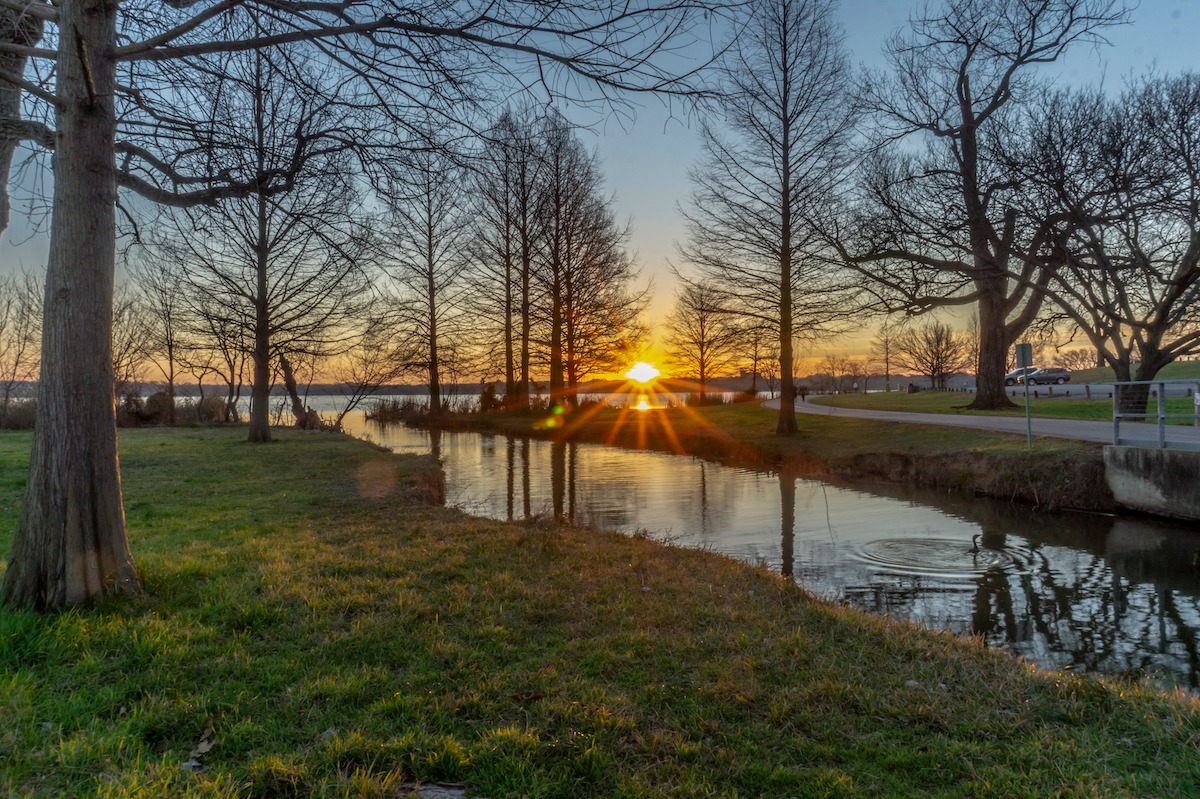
(207, 742)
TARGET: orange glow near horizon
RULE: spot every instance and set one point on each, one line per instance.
(642, 372)
(643, 403)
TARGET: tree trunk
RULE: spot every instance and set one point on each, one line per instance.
(71, 544)
(510, 376)
(435, 387)
(787, 397)
(522, 394)
(260, 389)
(993, 346)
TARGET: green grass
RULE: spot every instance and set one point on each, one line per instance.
(343, 639)
(1180, 370)
(1057, 407)
(749, 428)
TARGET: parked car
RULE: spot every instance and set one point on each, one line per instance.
(1051, 375)
(1014, 377)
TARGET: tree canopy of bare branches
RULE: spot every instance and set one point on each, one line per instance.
(758, 190)
(117, 91)
(947, 224)
(1126, 170)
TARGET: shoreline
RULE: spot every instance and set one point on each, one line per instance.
(1059, 476)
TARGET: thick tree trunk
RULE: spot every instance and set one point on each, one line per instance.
(993, 346)
(71, 544)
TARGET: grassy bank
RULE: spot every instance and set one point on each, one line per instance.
(1060, 406)
(1057, 474)
(312, 628)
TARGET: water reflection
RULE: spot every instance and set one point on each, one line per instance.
(1078, 591)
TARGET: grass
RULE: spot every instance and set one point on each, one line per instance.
(324, 633)
(748, 429)
(1179, 370)
(1056, 407)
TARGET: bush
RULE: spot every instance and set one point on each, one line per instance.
(392, 411)
(19, 415)
(488, 401)
(694, 400)
(158, 408)
(131, 409)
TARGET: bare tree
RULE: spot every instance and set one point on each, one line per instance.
(447, 57)
(944, 227)
(427, 228)
(289, 263)
(1076, 359)
(161, 288)
(757, 192)
(702, 339)
(217, 343)
(1126, 170)
(883, 351)
(507, 229)
(20, 324)
(586, 315)
(131, 340)
(933, 350)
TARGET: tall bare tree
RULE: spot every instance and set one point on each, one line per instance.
(447, 57)
(883, 351)
(161, 287)
(507, 231)
(758, 189)
(288, 262)
(946, 226)
(427, 255)
(702, 338)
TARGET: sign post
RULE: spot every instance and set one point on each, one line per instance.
(1024, 353)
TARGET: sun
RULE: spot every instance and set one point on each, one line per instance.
(642, 372)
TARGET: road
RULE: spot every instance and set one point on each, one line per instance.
(1178, 436)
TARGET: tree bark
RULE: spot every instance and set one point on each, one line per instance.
(260, 389)
(786, 425)
(435, 386)
(71, 544)
(993, 345)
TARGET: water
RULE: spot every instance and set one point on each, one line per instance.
(1092, 593)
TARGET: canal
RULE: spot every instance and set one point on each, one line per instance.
(1084, 592)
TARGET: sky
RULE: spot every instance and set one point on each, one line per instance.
(646, 159)
(647, 165)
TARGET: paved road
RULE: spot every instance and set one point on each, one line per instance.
(1131, 434)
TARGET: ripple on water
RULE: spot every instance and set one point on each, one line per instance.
(943, 557)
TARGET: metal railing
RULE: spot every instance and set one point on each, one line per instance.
(1157, 390)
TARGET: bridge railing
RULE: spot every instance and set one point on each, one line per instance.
(1154, 390)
